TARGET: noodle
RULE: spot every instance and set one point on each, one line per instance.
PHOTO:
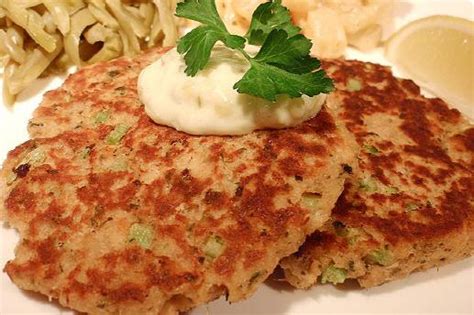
(7, 44)
(167, 20)
(43, 36)
(79, 22)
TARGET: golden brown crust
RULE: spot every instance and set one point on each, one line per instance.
(412, 194)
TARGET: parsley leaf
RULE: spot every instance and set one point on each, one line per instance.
(267, 17)
(197, 44)
(203, 11)
(283, 64)
(290, 54)
(267, 81)
(269, 75)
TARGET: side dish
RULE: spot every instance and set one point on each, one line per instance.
(39, 37)
(332, 24)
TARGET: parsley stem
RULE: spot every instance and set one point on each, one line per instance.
(244, 53)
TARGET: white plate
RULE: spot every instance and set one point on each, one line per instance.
(449, 290)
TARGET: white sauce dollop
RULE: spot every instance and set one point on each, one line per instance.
(207, 104)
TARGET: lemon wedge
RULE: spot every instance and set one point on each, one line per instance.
(438, 53)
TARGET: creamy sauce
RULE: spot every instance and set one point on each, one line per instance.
(207, 104)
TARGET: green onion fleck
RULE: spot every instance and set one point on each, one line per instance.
(353, 239)
(392, 190)
(350, 234)
(101, 117)
(117, 134)
(142, 234)
(310, 200)
(382, 256)
(333, 275)
(371, 149)
(368, 185)
(213, 247)
(85, 152)
(353, 85)
(411, 207)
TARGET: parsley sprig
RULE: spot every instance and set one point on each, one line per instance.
(282, 65)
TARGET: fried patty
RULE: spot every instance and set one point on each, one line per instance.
(410, 204)
(120, 215)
